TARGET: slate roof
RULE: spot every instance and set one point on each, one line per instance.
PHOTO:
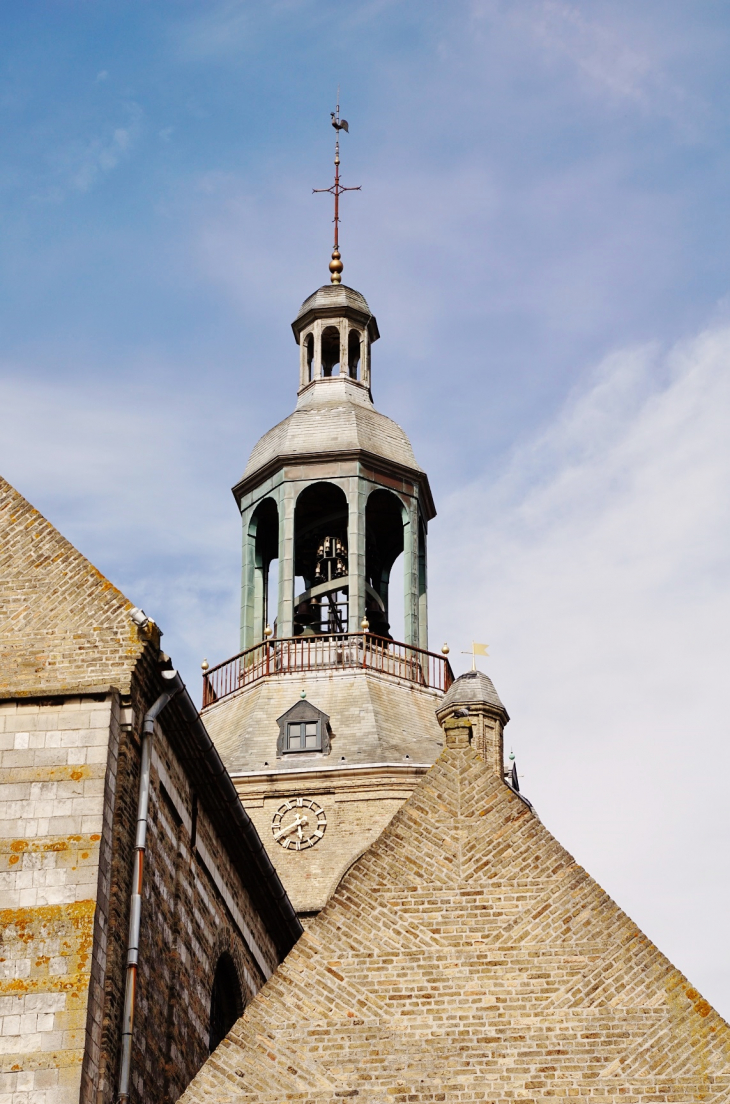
(334, 296)
(64, 628)
(373, 719)
(471, 688)
(466, 956)
(334, 415)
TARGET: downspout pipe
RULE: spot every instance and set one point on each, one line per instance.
(175, 686)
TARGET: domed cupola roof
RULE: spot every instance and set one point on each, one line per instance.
(335, 300)
(335, 416)
(472, 689)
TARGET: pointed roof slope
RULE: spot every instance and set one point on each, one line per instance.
(466, 956)
(64, 628)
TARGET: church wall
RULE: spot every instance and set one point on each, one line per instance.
(55, 850)
(384, 735)
(358, 805)
(194, 909)
(69, 777)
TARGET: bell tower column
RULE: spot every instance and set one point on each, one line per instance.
(410, 582)
(357, 497)
(422, 587)
(285, 617)
(248, 581)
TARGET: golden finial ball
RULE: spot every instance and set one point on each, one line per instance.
(336, 267)
(268, 631)
(445, 649)
(364, 624)
(204, 666)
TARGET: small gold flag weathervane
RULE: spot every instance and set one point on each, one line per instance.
(476, 650)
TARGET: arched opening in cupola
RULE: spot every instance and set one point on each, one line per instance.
(320, 560)
(353, 354)
(384, 519)
(330, 351)
(309, 354)
(264, 529)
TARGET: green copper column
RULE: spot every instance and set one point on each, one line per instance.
(285, 617)
(410, 568)
(248, 570)
(356, 500)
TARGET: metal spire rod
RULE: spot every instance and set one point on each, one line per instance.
(336, 190)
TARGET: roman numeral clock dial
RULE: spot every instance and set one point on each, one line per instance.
(298, 824)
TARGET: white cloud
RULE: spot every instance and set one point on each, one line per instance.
(620, 53)
(81, 164)
(596, 565)
(124, 474)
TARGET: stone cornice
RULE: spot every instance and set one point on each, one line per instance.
(370, 459)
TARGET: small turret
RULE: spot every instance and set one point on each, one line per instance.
(474, 694)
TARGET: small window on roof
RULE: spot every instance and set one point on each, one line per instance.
(304, 736)
(303, 729)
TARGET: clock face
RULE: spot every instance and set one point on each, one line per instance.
(299, 823)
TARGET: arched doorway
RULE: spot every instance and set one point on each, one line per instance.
(226, 1000)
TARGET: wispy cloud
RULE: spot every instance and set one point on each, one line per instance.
(124, 474)
(608, 48)
(596, 565)
(82, 163)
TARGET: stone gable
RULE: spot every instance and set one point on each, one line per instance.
(466, 956)
(64, 628)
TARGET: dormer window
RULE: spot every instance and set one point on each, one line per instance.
(303, 730)
(303, 736)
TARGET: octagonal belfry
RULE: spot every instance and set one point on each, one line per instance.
(324, 721)
(334, 492)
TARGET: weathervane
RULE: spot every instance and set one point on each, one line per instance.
(336, 190)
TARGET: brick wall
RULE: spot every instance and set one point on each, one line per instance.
(358, 804)
(54, 882)
(69, 777)
(194, 909)
(467, 957)
(63, 626)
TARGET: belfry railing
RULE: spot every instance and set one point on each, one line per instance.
(318, 653)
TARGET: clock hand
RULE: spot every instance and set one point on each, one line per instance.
(294, 826)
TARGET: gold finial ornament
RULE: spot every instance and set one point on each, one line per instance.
(204, 666)
(445, 649)
(268, 631)
(336, 267)
(364, 624)
(336, 190)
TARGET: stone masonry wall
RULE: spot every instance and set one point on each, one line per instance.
(69, 777)
(54, 883)
(194, 909)
(358, 804)
(467, 957)
(64, 628)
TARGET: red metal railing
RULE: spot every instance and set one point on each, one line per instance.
(317, 653)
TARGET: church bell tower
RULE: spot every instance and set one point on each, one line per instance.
(324, 720)
(334, 493)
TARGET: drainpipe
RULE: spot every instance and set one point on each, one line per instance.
(135, 910)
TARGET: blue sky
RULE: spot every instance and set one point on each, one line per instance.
(543, 234)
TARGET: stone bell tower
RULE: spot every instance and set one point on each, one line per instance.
(324, 721)
(334, 492)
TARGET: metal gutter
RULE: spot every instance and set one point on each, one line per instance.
(135, 905)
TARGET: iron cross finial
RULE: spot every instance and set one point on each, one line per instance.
(336, 190)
